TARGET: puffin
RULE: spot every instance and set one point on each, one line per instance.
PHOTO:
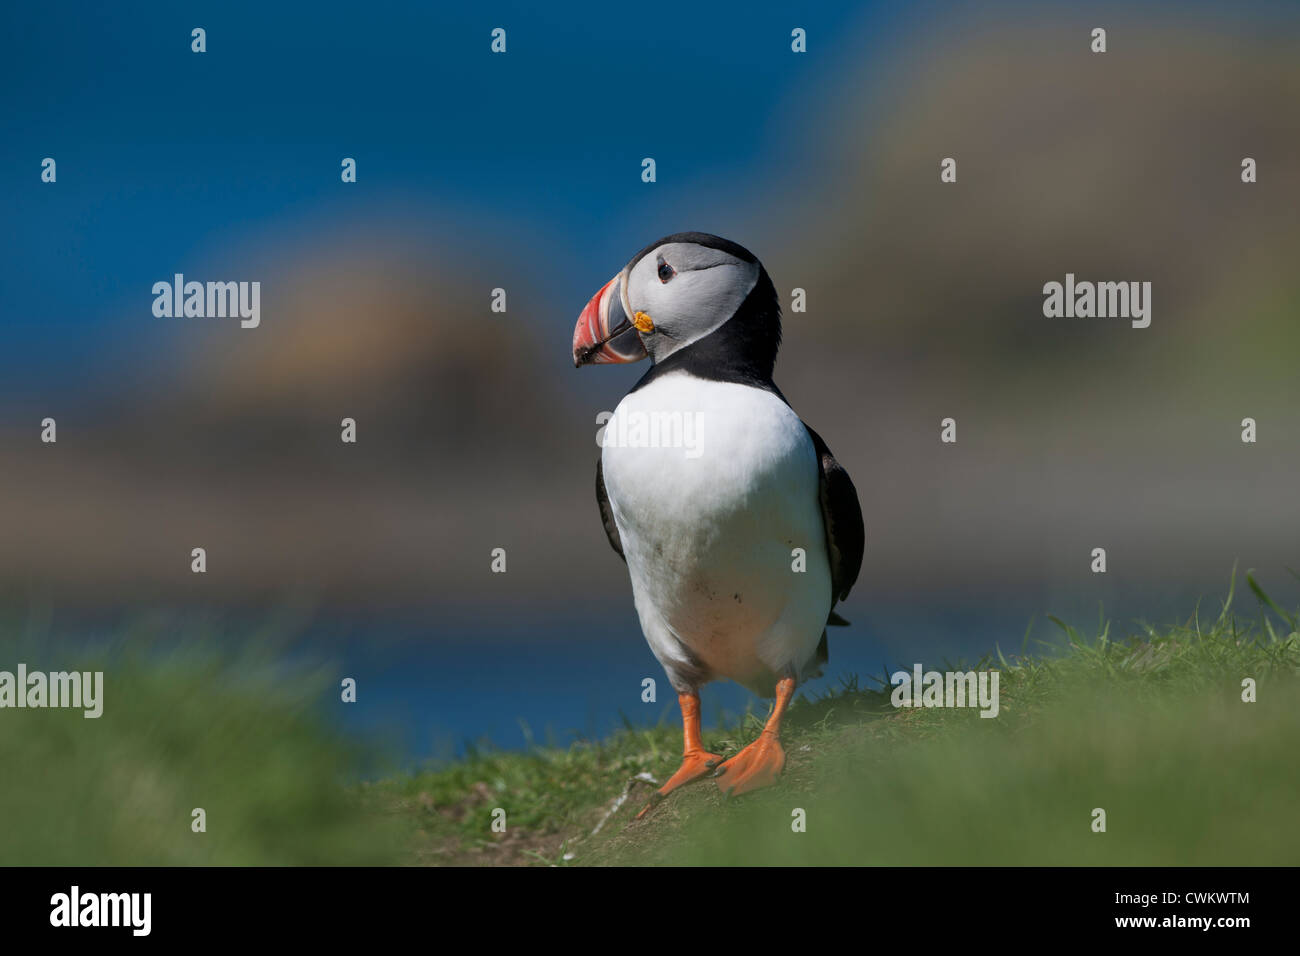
(739, 529)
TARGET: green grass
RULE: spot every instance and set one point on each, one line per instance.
(1151, 728)
(182, 728)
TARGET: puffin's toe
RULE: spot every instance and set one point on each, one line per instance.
(695, 765)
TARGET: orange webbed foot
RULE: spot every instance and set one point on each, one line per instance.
(758, 765)
(761, 763)
(696, 764)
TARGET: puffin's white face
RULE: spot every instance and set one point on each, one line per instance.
(679, 292)
(670, 296)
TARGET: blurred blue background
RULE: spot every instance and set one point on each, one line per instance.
(170, 158)
(522, 171)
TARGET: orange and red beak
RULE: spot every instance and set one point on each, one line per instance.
(604, 333)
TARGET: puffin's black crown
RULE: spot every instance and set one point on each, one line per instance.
(706, 239)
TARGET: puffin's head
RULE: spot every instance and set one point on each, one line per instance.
(673, 293)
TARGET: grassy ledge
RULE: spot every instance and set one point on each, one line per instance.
(1151, 728)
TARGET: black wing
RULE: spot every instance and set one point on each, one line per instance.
(607, 516)
(842, 516)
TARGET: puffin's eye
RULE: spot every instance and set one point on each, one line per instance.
(665, 272)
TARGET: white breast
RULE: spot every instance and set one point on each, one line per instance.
(713, 487)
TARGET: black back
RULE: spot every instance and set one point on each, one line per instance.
(846, 537)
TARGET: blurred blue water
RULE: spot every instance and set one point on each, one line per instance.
(432, 684)
(433, 697)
